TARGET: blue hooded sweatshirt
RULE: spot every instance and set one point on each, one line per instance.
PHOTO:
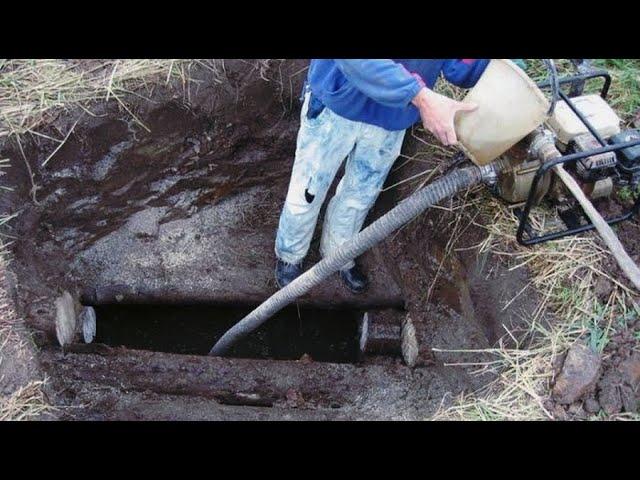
(379, 91)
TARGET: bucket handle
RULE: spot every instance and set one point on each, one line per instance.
(555, 85)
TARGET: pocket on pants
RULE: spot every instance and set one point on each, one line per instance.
(313, 111)
(316, 107)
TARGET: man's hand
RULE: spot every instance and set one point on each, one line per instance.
(437, 113)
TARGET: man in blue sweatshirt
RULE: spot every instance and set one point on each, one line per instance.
(358, 110)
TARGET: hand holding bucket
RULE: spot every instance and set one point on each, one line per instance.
(509, 107)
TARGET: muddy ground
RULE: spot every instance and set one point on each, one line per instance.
(185, 216)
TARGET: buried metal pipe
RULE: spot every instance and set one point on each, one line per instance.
(403, 213)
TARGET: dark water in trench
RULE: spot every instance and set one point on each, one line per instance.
(325, 335)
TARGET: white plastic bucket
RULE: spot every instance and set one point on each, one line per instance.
(510, 106)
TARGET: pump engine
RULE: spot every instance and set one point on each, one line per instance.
(599, 154)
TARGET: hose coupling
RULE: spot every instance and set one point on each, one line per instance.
(543, 145)
(489, 173)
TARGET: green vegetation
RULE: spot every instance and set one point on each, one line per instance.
(625, 85)
(624, 93)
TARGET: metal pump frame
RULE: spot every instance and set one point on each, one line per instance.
(524, 226)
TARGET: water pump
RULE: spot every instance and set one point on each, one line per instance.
(593, 149)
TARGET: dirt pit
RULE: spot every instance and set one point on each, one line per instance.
(154, 227)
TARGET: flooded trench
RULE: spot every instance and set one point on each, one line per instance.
(169, 236)
(324, 335)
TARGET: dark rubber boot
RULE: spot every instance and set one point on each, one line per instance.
(354, 279)
(287, 272)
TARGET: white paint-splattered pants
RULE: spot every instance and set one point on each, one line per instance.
(323, 144)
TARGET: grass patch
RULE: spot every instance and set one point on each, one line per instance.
(627, 194)
(624, 94)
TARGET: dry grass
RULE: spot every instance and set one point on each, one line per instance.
(26, 403)
(564, 273)
(34, 92)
